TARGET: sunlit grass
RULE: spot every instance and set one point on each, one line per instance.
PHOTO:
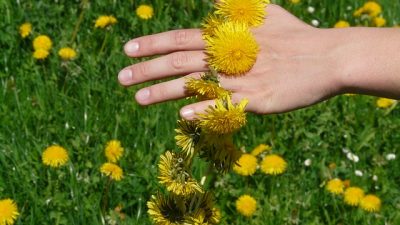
(80, 106)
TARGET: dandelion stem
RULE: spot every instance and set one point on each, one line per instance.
(103, 44)
(104, 199)
(80, 19)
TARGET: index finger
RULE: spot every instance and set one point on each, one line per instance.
(166, 42)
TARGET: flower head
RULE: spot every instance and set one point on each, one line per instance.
(370, 203)
(196, 210)
(164, 210)
(203, 216)
(385, 102)
(353, 195)
(335, 186)
(260, 149)
(187, 136)
(42, 42)
(342, 24)
(246, 205)
(371, 8)
(294, 1)
(174, 173)
(250, 12)
(104, 21)
(205, 88)
(232, 50)
(246, 165)
(67, 53)
(8, 212)
(273, 165)
(145, 12)
(210, 23)
(40, 54)
(112, 170)
(225, 117)
(379, 21)
(25, 29)
(113, 151)
(55, 156)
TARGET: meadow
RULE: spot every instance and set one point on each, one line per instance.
(78, 104)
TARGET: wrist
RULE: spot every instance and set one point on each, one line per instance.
(367, 60)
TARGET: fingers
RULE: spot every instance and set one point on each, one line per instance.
(166, 42)
(165, 91)
(191, 112)
(173, 64)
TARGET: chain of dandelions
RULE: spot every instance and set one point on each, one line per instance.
(231, 51)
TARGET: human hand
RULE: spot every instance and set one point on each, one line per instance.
(295, 68)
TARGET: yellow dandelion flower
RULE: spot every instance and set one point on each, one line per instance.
(210, 23)
(42, 42)
(379, 21)
(294, 1)
(232, 50)
(358, 12)
(353, 196)
(370, 8)
(113, 20)
(260, 149)
(246, 165)
(25, 29)
(112, 170)
(113, 151)
(250, 12)
(371, 203)
(216, 216)
(225, 117)
(55, 156)
(332, 166)
(175, 175)
(164, 210)
(385, 102)
(342, 24)
(273, 164)
(203, 216)
(205, 89)
(8, 212)
(246, 205)
(335, 186)
(145, 12)
(187, 136)
(199, 217)
(104, 21)
(40, 54)
(67, 53)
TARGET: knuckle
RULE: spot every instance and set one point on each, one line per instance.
(158, 93)
(149, 44)
(142, 69)
(179, 60)
(182, 37)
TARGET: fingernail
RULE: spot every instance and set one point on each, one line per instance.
(142, 95)
(187, 113)
(125, 76)
(131, 47)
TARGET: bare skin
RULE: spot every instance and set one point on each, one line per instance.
(298, 65)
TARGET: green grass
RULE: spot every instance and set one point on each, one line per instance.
(81, 106)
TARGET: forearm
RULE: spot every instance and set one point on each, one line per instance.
(369, 59)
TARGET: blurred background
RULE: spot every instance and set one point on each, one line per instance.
(73, 99)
